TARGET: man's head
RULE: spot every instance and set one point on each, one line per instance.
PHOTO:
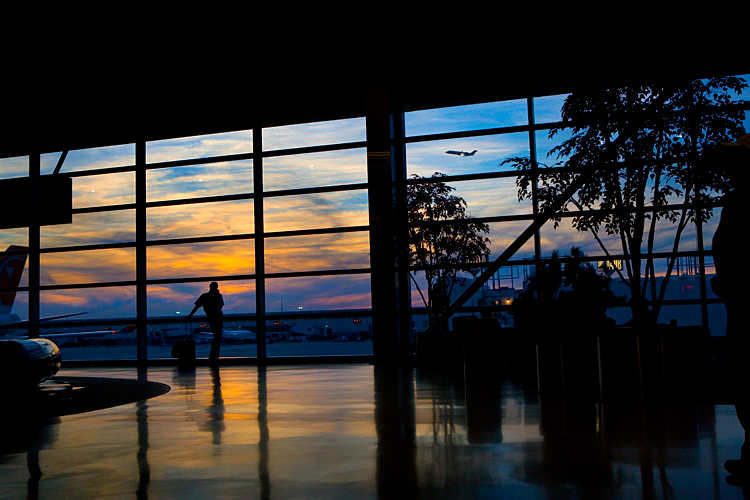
(214, 286)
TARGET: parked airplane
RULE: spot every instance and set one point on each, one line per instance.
(12, 264)
(461, 153)
(229, 336)
(28, 362)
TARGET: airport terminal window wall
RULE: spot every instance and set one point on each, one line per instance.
(295, 193)
(279, 216)
(470, 143)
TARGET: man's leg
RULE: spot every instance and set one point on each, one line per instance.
(217, 327)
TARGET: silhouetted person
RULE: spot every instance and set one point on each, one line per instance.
(212, 303)
(728, 284)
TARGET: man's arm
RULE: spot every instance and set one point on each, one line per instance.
(193, 311)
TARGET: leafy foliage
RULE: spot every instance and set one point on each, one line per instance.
(641, 147)
(443, 240)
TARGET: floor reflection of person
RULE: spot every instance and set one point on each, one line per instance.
(729, 286)
(212, 304)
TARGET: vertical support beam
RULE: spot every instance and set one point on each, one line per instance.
(401, 226)
(534, 185)
(34, 243)
(140, 252)
(260, 266)
(387, 339)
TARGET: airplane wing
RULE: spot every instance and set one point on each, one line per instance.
(25, 322)
(127, 329)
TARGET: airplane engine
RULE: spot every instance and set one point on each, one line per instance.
(26, 363)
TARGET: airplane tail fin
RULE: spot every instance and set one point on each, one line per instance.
(11, 270)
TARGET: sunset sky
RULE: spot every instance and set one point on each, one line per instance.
(284, 213)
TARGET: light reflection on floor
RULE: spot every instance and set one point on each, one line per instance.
(358, 431)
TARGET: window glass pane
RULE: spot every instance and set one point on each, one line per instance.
(548, 109)
(202, 146)
(464, 118)
(314, 134)
(88, 266)
(14, 167)
(490, 197)
(565, 237)
(328, 168)
(426, 158)
(192, 181)
(217, 258)
(91, 228)
(15, 236)
(318, 252)
(178, 299)
(315, 211)
(98, 303)
(503, 234)
(200, 219)
(90, 159)
(544, 145)
(103, 190)
(318, 293)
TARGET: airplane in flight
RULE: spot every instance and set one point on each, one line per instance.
(460, 153)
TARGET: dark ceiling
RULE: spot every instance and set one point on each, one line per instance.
(75, 79)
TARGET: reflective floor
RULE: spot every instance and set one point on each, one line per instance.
(359, 432)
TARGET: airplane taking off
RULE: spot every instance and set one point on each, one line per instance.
(461, 153)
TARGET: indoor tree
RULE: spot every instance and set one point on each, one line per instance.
(443, 239)
(641, 149)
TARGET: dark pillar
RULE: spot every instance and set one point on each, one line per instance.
(34, 243)
(140, 252)
(388, 341)
(260, 266)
